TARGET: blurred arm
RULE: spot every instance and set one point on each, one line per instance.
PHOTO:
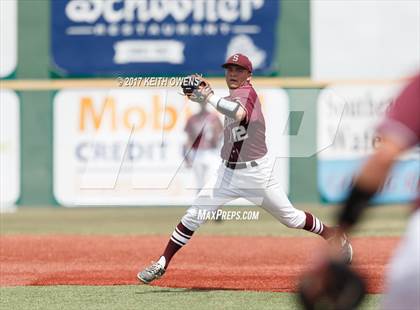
(374, 173)
(400, 131)
(369, 181)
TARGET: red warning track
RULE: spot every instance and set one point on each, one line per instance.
(207, 262)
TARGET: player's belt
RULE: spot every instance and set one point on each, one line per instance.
(243, 165)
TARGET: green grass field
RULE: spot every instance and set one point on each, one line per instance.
(379, 221)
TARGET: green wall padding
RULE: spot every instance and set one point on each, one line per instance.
(36, 107)
(303, 178)
(294, 39)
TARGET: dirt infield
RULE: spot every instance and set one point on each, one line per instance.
(242, 263)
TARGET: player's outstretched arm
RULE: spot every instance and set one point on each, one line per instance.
(198, 89)
(229, 108)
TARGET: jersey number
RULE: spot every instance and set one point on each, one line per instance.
(239, 133)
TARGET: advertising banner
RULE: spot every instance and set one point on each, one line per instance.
(364, 39)
(9, 148)
(347, 120)
(125, 146)
(8, 37)
(160, 37)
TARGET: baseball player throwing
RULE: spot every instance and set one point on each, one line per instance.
(245, 171)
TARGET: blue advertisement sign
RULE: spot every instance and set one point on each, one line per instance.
(160, 37)
(348, 117)
(335, 178)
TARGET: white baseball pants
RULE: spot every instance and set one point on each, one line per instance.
(403, 282)
(256, 184)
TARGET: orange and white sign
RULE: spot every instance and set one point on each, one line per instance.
(124, 146)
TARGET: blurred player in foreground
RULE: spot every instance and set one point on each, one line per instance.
(399, 132)
(204, 132)
(245, 171)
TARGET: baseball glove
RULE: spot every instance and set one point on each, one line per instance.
(196, 88)
(331, 286)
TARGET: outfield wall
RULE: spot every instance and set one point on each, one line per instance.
(293, 58)
(37, 108)
(37, 148)
(320, 137)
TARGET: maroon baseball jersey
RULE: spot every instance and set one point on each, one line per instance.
(403, 119)
(245, 140)
(204, 129)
